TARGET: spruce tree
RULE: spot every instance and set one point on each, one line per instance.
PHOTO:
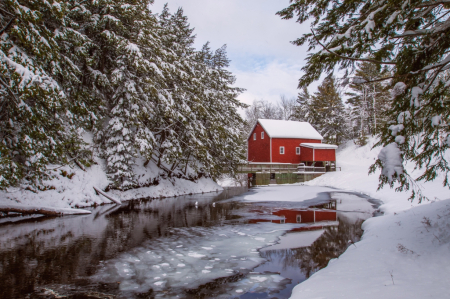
(329, 112)
(223, 124)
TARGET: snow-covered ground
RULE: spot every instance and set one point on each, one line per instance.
(74, 188)
(355, 162)
(403, 254)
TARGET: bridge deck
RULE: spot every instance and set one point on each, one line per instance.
(280, 168)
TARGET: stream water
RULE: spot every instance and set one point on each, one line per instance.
(211, 245)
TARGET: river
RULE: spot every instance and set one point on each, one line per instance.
(213, 245)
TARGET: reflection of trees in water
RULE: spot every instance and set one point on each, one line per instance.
(57, 251)
(331, 244)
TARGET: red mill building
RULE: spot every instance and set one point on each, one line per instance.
(274, 145)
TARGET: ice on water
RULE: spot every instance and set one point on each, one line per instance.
(191, 257)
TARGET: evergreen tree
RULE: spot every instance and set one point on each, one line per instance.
(328, 112)
(410, 38)
(223, 124)
(304, 110)
(40, 119)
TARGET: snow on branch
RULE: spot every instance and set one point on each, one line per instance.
(432, 3)
(351, 58)
(392, 161)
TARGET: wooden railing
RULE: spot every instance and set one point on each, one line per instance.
(282, 168)
(269, 168)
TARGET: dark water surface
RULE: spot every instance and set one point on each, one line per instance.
(201, 246)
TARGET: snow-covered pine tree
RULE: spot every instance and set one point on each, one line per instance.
(411, 39)
(38, 121)
(304, 110)
(223, 124)
(180, 131)
(329, 112)
(128, 54)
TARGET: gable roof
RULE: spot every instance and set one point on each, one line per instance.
(288, 129)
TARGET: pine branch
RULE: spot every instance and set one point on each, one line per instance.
(433, 3)
(351, 58)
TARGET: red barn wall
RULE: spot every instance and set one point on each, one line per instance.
(326, 216)
(306, 154)
(319, 154)
(325, 155)
(289, 144)
(259, 149)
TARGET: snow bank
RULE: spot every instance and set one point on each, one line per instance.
(74, 188)
(355, 162)
(404, 255)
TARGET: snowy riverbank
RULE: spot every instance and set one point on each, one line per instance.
(403, 254)
(74, 188)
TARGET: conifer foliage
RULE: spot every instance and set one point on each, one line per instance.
(327, 112)
(411, 39)
(114, 69)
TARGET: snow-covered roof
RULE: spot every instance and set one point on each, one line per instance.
(319, 145)
(289, 129)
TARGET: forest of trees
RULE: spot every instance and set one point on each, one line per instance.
(340, 110)
(113, 70)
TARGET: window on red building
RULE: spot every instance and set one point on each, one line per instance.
(297, 150)
(262, 135)
(282, 150)
(254, 136)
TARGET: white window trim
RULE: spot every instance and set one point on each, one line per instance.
(254, 136)
(262, 135)
(299, 218)
(282, 150)
(297, 150)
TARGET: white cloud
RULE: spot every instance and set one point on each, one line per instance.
(264, 61)
(269, 82)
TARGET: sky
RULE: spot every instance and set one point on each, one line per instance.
(263, 60)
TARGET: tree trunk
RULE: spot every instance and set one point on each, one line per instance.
(33, 210)
(107, 196)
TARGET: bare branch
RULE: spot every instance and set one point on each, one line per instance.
(10, 91)
(351, 58)
(7, 25)
(6, 12)
(435, 76)
(377, 80)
